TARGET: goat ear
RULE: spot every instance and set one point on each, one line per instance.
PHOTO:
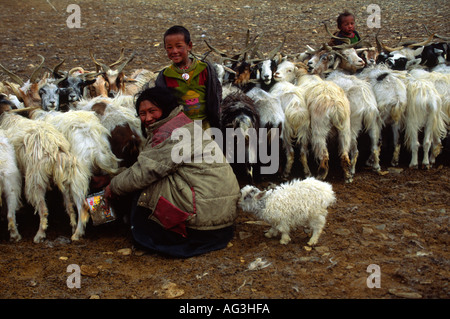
(260, 195)
(89, 82)
(418, 51)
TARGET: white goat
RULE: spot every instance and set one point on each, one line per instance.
(49, 93)
(296, 128)
(441, 82)
(289, 205)
(123, 124)
(88, 138)
(423, 112)
(10, 184)
(44, 158)
(327, 60)
(328, 108)
(363, 113)
(269, 108)
(390, 93)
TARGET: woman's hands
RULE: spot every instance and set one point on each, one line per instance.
(99, 181)
(107, 196)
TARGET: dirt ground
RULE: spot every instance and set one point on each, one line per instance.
(397, 222)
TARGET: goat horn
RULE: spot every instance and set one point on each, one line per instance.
(61, 79)
(385, 47)
(276, 50)
(121, 57)
(221, 53)
(347, 46)
(332, 50)
(345, 40)
(25, 109)
(56, 68)
(78, 68)
(309, 49)
(13, 76)
(99, 64)
(255, 49)
(423, 43)
(229, 69)
(379, 48)
(120, 68)
(247, 37)
(35, 72)
(437, 35)
(90, 75)
(365, 49)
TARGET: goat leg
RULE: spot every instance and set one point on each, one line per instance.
(304, 160)
(317, 226)
(289, 161)
(435, 151)
(396, 138)
(43, 216)
(83, 217)
(70, 210)
(346, 164)
(12, 226)
(323, 168)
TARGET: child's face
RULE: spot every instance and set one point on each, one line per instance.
(177, 49)
(348, 25)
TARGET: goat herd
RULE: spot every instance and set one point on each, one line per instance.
(64, 127)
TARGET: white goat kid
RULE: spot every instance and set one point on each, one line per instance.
(290, 205)
(10, 184)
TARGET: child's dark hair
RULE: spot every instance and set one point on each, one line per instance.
(343, 15)
(178, 29)
(161, 97)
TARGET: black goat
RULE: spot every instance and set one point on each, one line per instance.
(240, 125)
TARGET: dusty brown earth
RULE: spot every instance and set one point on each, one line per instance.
(398, 221)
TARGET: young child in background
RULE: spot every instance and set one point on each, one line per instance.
(194, 82)
(346, 26)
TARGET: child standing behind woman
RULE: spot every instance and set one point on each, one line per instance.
(346, 26)
(194, 82)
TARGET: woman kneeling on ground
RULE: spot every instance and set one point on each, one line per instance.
(181, 208)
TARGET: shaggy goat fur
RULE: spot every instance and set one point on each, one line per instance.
(120, 119)
(423, 112)
(44, 158)
(289, 205)
(88, 138)
(390, 93)
(296, 127)
(364, 114)
(329, 110)
(238, 112)
(10, 184)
